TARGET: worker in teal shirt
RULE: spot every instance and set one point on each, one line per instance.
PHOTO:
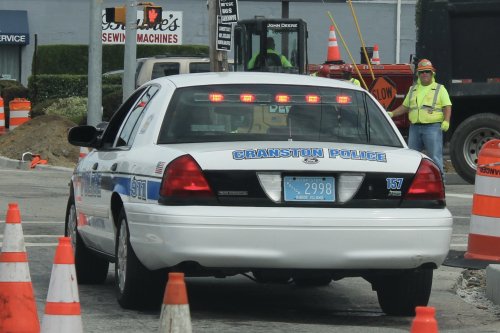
(273, 57)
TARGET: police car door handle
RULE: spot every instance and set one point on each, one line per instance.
(94, 167)
(113, 167)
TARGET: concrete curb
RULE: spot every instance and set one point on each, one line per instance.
(17, 164)
(493, 283)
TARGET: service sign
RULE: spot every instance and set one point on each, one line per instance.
(229, 10)
(168, 32)
(223, 35)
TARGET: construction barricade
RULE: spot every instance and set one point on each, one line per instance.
(484, 235)
(2, 117)
(19, 112)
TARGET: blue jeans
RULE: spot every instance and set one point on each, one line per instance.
(431, 137)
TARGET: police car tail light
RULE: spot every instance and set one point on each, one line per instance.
(216, 97)
(341, 99)
(184, 178)
(271, 184)
(428, 184)
(349, 184)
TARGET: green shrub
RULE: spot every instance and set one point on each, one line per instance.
(73, 58)
(106, 89)
(63, 86)
(39, 109)
(73, 108)
(110, 103)
(8, 83)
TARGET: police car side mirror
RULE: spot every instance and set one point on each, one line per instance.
(84, 136)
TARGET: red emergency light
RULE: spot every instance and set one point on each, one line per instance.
(247, 98)
(216, 97)
(343, 99)
(282, 98)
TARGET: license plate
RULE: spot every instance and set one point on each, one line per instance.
(310, 189)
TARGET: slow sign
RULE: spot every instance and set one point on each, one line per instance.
(384, 90)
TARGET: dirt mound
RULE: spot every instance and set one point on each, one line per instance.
(44, 135)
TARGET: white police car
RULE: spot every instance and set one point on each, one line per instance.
(289, 177)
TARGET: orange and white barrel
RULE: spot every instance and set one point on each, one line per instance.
(484, 234)
(62, 310)
(2, 117)
(19, 112)
(17, 306)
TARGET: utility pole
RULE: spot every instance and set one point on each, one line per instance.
(94, 114)
(129, 62)
(218, 59)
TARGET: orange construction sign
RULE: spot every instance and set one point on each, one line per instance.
(384, 90)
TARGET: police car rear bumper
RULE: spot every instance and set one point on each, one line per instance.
(298, 238)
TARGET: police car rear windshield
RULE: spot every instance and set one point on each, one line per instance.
(226, 113)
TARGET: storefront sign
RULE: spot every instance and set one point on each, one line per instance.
(168, 32)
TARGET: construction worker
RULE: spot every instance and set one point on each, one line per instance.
(347, 70)
(430, 112)
(323, 71)
(273, 58)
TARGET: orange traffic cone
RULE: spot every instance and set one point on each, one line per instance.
(83, 152)
(424, 321)
(333, 49)
(62, 310)
(175, 316)
(376, 57)
(17, 306)
(2, 117)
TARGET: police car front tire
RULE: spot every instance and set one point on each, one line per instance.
(399, 294)
(89, 268)
(136, 287)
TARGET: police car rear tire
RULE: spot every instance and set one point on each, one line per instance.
(398, 295)
(89, 268)
(136, 287)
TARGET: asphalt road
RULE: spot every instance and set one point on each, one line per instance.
(234, 304)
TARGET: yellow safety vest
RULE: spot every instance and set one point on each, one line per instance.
(431, 110)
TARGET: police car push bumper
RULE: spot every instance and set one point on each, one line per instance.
(299, 238)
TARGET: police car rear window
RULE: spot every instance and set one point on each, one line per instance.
(225, 113)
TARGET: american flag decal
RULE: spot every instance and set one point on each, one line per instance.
(159, 167)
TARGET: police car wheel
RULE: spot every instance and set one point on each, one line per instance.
(89, 268)
(313, 281)
(398, 295)
(136, 287)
